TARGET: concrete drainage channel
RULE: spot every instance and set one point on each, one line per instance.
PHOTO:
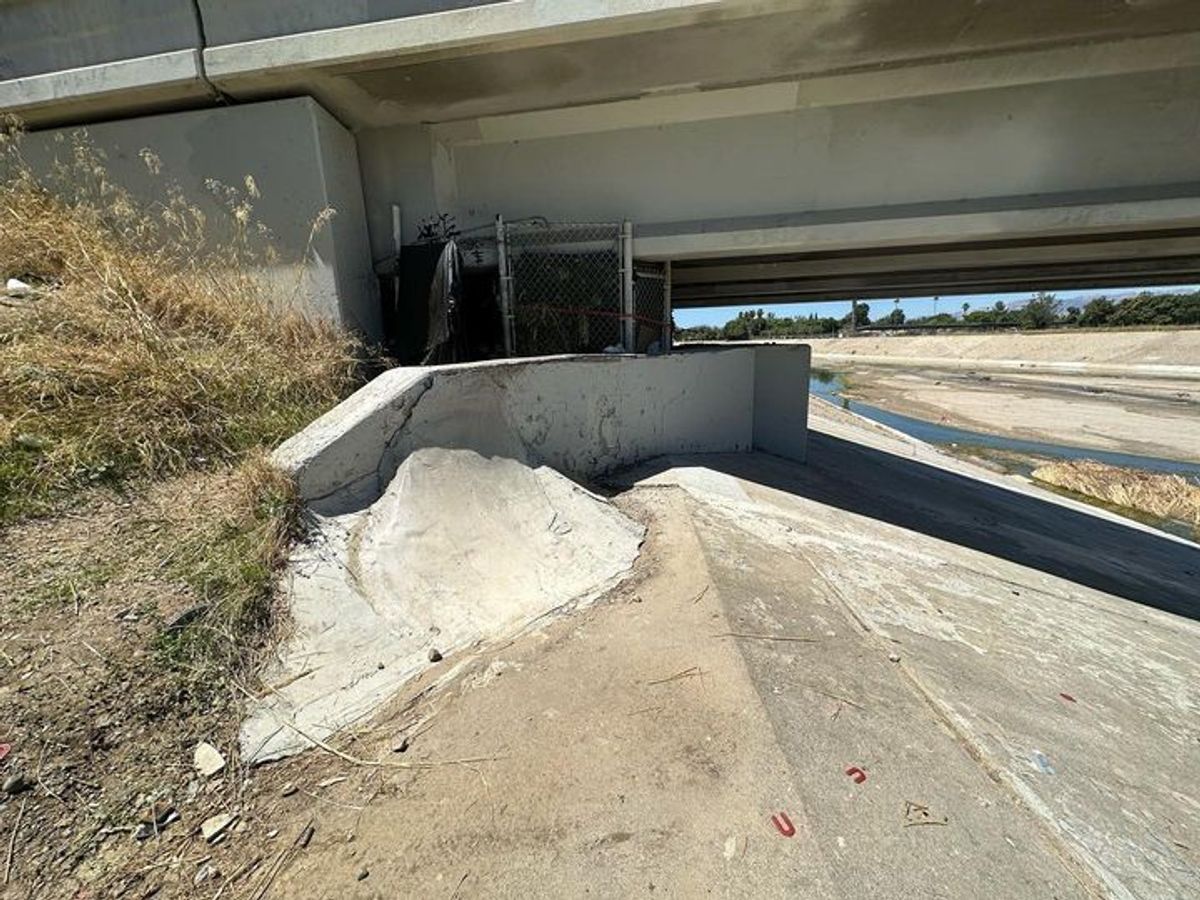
(447, 517)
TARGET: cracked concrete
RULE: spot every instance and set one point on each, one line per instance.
(460, 551)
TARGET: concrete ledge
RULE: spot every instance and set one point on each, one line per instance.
(173, 74)
(497, 26)
(582, 415)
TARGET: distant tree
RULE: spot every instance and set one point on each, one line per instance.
(1041, 311)
(736, 329)
(1097, 312)
(966, 307)
(895, 317)
(1158, 309)
(861, 313)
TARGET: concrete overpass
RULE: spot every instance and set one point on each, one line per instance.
(772, 150)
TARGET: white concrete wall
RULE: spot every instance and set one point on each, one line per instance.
(1083, 135)
(584, 416)
(302, 162)
(781, 400)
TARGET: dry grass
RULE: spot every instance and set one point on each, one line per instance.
(141, 389)
(1159, 494)
(151, 347)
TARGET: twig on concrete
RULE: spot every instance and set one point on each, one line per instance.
(690, 672)
(368, 763)
(244, 870)
(645, 709)
(767, 637)
(12, 841)
(461, 882)
(930, 822)
(277, 866)
(700, 596)
(837, 697)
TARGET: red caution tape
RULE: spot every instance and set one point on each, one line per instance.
(783, 824)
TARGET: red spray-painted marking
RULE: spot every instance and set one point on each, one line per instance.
(1067, 697)
(857, 774)
(783, 824)
(4, 748)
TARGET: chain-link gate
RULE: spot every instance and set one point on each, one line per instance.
(651, 320)
(561, 286)
(573, 288)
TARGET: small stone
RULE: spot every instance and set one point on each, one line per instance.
(289, 789)
(208, 759)
(206, 872)
(894, 657)
(15, 287)
(215, 826)
(306, 836)
(380, 666)
(15, 784)
(400, 744)
(435, 655)
(362, 874)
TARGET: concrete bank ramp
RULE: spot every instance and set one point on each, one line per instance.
(460, 549)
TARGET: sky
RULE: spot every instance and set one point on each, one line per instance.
(913, 307)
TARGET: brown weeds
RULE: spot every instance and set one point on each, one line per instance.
(1159, 494)
(149, 347)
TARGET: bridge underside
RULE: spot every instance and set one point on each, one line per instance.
(772, 151)
(1111, 260)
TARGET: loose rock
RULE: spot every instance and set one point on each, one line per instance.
(215, 826)
(15, 784)
(208, 759)
(435, 655)
(15, 287)
(362, 874)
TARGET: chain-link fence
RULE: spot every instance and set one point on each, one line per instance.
(564, 286)
(649, 307)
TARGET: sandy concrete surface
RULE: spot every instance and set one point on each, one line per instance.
(1119, 352)
(1015, 673)
(1146, 417)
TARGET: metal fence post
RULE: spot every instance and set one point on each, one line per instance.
(629, 329)
(506, 318)
(668, 335)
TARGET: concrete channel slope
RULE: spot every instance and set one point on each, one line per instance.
(441, 524)
(967, 634)
(950, 683)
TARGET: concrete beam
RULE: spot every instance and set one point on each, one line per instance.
(733, 238)
(502, 26)
(142, 82)
(1018, 253)
(895, 83)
